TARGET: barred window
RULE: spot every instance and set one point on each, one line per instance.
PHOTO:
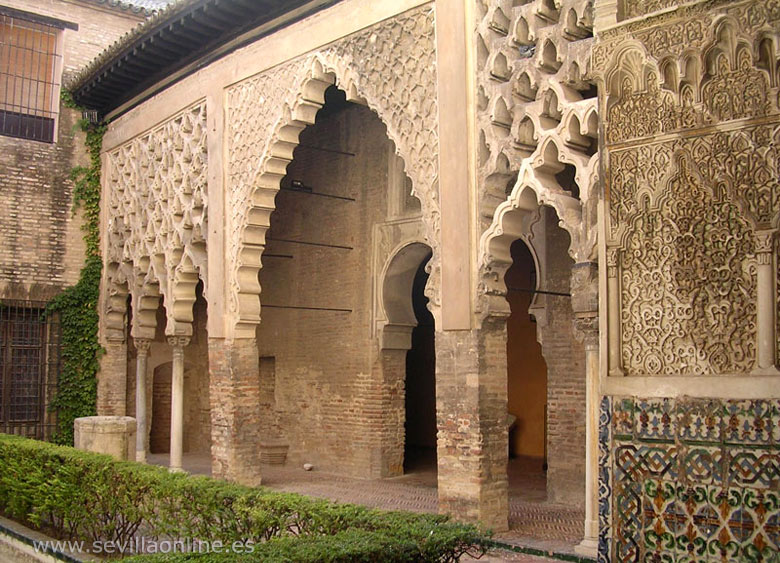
(29, 368)
(30, 66)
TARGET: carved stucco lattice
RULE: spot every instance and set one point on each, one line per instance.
(687, 286)
(391, 68)
(157, 212)
(687, 29)
(634, 8)
(536, 112)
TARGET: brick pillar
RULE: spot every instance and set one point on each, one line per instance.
(392, 414)
(234, 393)
(471, 412)
(112, 380)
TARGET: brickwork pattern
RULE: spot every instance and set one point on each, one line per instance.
(336, 402)
(41, 249)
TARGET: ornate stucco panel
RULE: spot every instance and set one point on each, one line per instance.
(157, 215)
(390, 67)
(691, 136)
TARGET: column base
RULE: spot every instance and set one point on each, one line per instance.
(140, 456)
(176, 470)
(588, 547)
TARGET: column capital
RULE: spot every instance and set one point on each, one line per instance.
(178, 341)
(586, 329)
(142, 345)
(765, 246)
(585, 288)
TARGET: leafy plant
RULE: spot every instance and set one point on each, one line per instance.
(77, 305)
(83, 496)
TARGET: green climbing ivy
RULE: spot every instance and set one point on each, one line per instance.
(77, 306)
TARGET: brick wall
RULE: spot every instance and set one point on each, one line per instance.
(565, 359)
(41, 250)
(330, 400)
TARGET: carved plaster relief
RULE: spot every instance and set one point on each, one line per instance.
(157, 218)
(391, 68)
(538, 126)
(692, 133)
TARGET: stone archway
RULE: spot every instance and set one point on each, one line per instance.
(396, 341)
(266, 114)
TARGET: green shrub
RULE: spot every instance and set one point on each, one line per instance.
(83, 496)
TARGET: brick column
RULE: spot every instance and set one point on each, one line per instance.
(142, 347)
(234, 392)
(112, 380)
(391, 414)
(471, 412)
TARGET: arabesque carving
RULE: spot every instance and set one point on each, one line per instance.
(686, 281)
(157, 216)
(391, 68)
(684, 209)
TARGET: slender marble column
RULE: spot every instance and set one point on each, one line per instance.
(588, 328)
(142, 347)
(613, 314)
(177, 400)
(765, 304)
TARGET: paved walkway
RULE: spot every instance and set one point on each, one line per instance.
(533, 522)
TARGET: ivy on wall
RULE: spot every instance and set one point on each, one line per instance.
(77, 306)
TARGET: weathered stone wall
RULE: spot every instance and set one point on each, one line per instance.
(692, 128)
(41, 248)
(326, 398)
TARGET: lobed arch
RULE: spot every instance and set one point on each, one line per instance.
(397, 108)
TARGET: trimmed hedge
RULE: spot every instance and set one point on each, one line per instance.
(77, 495)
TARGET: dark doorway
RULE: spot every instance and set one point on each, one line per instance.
(526, 367)
(420, 444)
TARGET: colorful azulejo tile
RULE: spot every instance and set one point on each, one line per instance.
(655, 419)
(748, 422)
(703, 465)
(699, 421)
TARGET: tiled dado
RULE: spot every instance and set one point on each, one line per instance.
(689, 480)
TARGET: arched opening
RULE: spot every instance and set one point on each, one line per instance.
(526, 376)
(420, 396)
(197, 413)
(320, 368)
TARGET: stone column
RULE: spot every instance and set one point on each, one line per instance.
(613, 314)
(587, 327)
(766, 346)
(142, 353)
(584, 291)
(177, 400)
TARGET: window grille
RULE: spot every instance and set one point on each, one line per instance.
(29, 368)
(29, 78)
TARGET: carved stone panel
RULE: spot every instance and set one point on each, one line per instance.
(157, 208)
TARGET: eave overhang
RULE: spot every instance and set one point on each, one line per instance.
(178, 41)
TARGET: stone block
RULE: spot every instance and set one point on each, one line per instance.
(112, 435)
